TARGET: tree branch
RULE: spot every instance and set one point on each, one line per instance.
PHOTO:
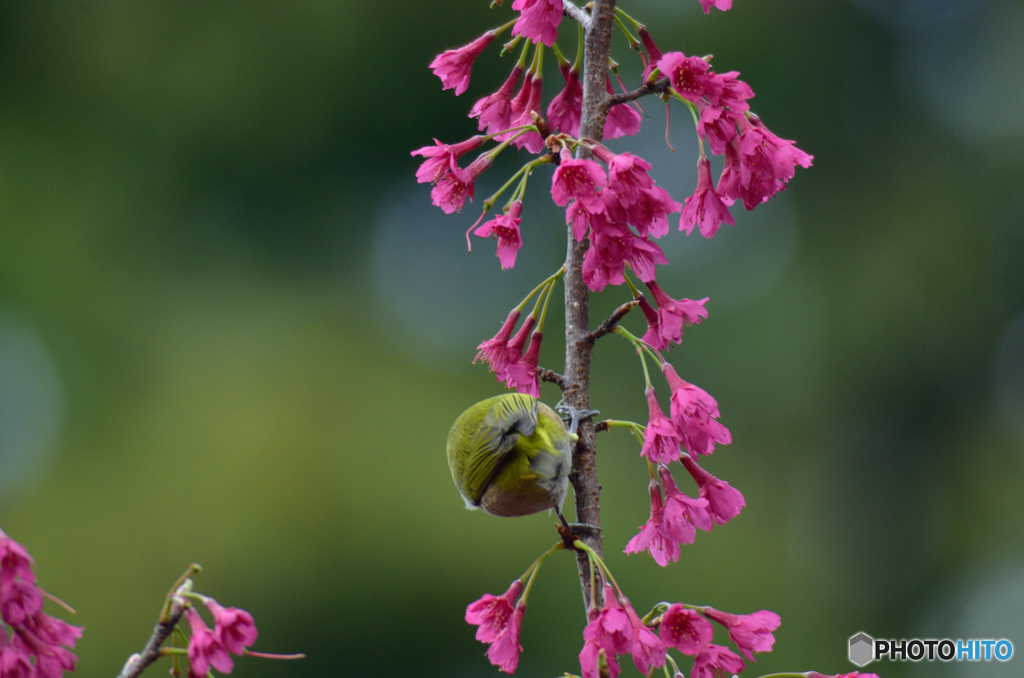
(573, 12)
(551, 377)
(138, 662)
(657, 87)
(597, 45)
(611, 321)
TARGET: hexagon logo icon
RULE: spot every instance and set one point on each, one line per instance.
(862, 649)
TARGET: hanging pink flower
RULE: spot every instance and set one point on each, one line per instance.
(566, 109)
(648, 650)
(538, 20)
(491, 614)
(14, 560)
(653, 334)
(505, 227)
(522, 375)
(19, 600)
(673, 314)
(494, 111)
(685, 630)
(611, 628)
(650, 213)
(768, 161)
(661, 442)
(451, 191)
(622, 120)
(531, 140)
(724, 501)
(578, 179)
(454, 66)
(611, 245)
(682, 515)
(690, 76)
(504, 650)
(494, 351)
(651, 537)
(234, 628)
(627, 175)
(515, 347)
(653, 53)
(705, 206)
(440, 158)
(729, 182)
(751, 632)
(694, 412)
(13, 662)
(715, 661)
(720, 4)
(717, 126)
(204, 649)
(644, 255)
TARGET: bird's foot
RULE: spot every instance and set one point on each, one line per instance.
(570, 532)
(572, 416)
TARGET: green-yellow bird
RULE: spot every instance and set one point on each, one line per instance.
(510, 455)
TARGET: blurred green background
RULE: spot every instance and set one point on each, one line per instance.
(234, 330)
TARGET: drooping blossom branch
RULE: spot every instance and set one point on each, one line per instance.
(615, 212)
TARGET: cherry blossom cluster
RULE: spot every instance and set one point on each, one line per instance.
(36, 644)
(615, 209)
(233, 631)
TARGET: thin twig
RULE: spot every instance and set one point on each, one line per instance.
(602, 426)
(657, 87)
(573, 12)
(138, 663)
(551, 377)
(611, 321)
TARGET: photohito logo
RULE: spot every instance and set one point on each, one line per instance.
(864, 649)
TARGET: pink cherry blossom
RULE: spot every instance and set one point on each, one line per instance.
(622, 121)
(661, 442)
(768, 161)
(729, 182)
(720, 4)
(682, 515)
(505, 227)
(14, 560)
(705, 206)
(204, 649)
(494, 351)
(648, 650)
(653, 334)
(494, 111)
(13, 662)
(504, 650)
(578, 179)
(643, 256)
(454, 66)
(652, 537)
(531, 140)
(751, 632)
(590, 658)
(650, 212)
(685, 630)
(694, 412)
(724, 501)
(610, 628)
(691, 77)
(515, 347)
(717, 126)
(19, 600)
(522, 375)
(440, 158)
(538, 20)
(715, 661)
(234, 628)
(605, 260)
(627, 175)
(491, 614)
(451, 191)
(673, 314)
(566, 108)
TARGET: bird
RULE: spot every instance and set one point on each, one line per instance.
(510, 455)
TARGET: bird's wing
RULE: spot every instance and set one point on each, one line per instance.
(512, 415)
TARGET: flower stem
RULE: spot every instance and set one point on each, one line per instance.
(535, 568)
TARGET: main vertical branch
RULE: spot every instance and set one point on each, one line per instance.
(597, 49)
